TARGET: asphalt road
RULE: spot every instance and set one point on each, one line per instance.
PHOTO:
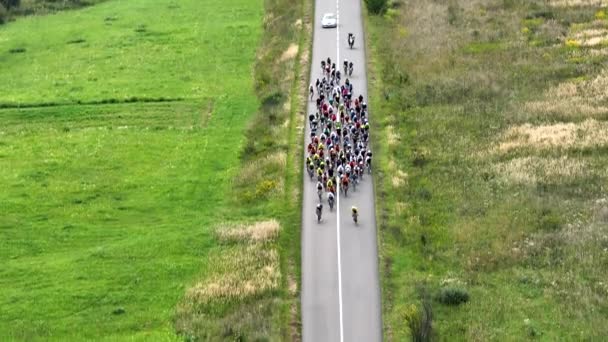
(340, 287)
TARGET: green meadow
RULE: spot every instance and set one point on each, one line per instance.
(121, 130)
(491, 126)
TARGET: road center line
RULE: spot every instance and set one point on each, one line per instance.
(338, 186)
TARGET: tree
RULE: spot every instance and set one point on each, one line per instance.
(376, 6)
(3, 14)
(8, 4)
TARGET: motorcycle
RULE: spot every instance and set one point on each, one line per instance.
(355, 217)
(351, 40)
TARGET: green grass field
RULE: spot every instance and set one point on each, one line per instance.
(147, 50)
(490, 132)
(112, 189)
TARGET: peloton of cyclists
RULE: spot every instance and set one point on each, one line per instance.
(338, 152)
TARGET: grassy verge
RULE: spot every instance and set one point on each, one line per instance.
(267, 185)
(489, 120)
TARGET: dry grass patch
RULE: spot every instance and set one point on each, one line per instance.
(588, 134)
(254, 171)
(566, 107)
(258, 232)
(532, 170)
(586, 98)
(577, 3)
(399, 178)
(401, 208)
(598, 52)
(392, 137)
(238, 273)
(290, 53)
(591, 37)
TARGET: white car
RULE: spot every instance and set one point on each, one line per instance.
(329, 20)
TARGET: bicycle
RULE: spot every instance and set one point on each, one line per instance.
(319, 212)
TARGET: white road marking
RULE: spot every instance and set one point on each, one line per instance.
(338, 186)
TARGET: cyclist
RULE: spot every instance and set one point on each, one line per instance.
(319, 186)
(330, 200)
(344, 186)
(320, 191)
(319, 211)
(355, 213)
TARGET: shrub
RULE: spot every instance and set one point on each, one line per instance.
(3, 14)
(424, 194)
(265, 188)
(549, 221)
(453, 296)
(76, 41)
(273, 99)
(119, 311)
(573, 43)
(8, 4)
(376, 6)
(420, 157)
(420, 322)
